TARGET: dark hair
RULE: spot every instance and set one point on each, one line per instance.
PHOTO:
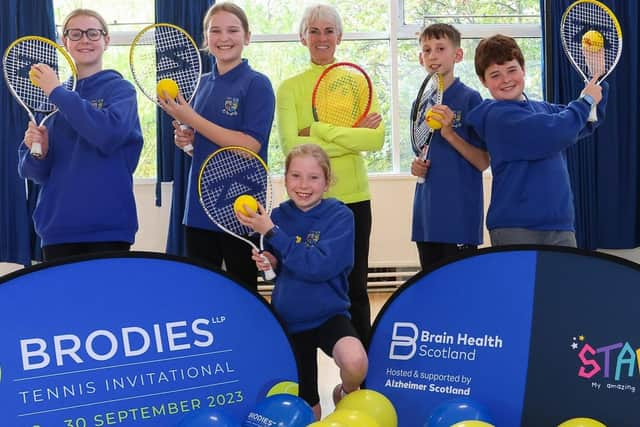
(496, 49)
(440, 31)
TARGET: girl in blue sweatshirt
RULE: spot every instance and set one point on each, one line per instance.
(90, 149)
(234, 105)
(311, 249)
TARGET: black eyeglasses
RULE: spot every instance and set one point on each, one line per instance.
(75, 34)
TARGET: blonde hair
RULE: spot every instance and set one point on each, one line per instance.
(319, 12)
(85, 12)
(314, 151)
(226, 6)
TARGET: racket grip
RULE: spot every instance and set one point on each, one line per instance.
(593, 114)
(268, 274)
(187, 148)
(36, 150)
(423, 157)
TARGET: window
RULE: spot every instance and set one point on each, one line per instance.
(124, 21)
(380, 35)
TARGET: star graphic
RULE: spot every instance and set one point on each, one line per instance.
(574, 346)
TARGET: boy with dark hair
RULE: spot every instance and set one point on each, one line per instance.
(531, 198)
(448, 206)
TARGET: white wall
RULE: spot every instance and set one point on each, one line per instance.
(392, 197)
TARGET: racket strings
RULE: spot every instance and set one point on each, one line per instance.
(164, 52)
(226, 176)
(18, 62)
(342, 96)
(421, 131)
(585, 17)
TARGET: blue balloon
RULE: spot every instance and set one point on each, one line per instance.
(216, 417)
(456, 410)
(280, 410)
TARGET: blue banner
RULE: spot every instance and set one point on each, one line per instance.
(537, 335)
(133, 340)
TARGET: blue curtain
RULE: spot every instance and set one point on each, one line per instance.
(603, 168)
(173, 164)
(18, 243)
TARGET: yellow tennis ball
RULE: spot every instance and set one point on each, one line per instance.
(430, 117)
(169, 86)
(31, 74)
(592, 41)
(245, 199)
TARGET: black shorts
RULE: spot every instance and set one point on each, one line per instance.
(305, 345)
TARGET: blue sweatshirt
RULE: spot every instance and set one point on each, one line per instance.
(86, 192)
(526, 141)
(315, 254)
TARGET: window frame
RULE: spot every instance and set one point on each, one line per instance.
(398, 31)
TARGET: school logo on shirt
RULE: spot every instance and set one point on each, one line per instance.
(231, 106)
(97, 103)
(312, 238)
(457, 119)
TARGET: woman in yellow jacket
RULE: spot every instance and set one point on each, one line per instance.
(321, 32)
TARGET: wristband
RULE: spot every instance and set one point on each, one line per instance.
(269, 234)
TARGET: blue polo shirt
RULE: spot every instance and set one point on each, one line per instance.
(448, 207)
(241, 99)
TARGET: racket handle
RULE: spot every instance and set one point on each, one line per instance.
(187, 148)
(423, 157)
(593, 114)
(36, 150)
(268, 274)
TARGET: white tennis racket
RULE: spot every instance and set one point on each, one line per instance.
(224, 176)
(165, 51)
(592, 39)
(430, 94)
(17, 61)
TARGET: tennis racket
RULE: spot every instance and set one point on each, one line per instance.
(224, 176)
(165, 51)
(591, 38)
(17, 61)
(342, 95)
(430, 94)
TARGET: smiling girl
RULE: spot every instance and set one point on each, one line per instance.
(90, 150)
(234, 105)
(312, 250)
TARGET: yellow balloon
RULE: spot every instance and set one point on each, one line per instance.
(351, 418)
(372, 403)
(283, 387)
(169, 86)
(582, 422)
(592, 41)
(472, 423)
(250, 202)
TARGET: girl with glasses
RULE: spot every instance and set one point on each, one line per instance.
(90, 150)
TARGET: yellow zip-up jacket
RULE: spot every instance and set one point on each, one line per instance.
(343, 145)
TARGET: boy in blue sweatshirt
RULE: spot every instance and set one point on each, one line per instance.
(531, 197)
(311, 249)
(90, 149)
